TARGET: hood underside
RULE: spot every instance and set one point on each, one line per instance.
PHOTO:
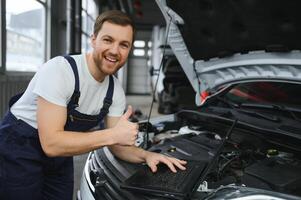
(223, 42)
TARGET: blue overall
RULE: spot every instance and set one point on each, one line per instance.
(25, 171)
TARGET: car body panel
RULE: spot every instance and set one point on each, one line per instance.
(209, 72)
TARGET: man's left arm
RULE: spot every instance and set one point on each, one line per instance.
(138, 155)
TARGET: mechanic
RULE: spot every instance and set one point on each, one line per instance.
(52, 120)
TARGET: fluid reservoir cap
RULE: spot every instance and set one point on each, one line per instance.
(172, 149)
(272, 152)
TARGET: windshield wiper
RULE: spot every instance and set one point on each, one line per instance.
(257, 114)
(278, 107)
(237, 107)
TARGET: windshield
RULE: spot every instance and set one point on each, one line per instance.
(286, 94)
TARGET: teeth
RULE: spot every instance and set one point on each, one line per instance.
(111, 59)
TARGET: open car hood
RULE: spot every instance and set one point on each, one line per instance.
(219, 43)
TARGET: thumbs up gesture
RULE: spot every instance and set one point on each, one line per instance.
(125, 132)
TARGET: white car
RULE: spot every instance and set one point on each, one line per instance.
(243, 60)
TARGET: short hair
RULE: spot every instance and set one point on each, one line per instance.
(114, 17)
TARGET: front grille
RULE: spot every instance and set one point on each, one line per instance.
(107, 179)
(105, 184)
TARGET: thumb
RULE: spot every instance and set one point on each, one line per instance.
(128, 113)
(153, 168)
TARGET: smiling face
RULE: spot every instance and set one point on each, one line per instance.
(111, 47)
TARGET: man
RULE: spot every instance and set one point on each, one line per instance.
(67, 97)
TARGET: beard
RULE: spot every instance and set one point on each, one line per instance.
(104, 68)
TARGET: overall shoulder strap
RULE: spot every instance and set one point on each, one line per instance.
(76, 94)
(107, 102)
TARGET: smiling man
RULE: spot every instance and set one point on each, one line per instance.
(52, 120)
(110, 48)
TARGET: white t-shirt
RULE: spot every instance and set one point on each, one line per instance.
(55, 82)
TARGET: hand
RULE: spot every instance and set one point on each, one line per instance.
(153, 159)
(125, 132)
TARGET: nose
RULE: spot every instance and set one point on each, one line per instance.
(114, 49)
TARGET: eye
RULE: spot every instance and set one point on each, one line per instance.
(124, 46)
(107, 40)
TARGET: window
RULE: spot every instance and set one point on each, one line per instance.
(141, 48)
(139, 52)
(89, 14)
(25, 35)
(139, 43)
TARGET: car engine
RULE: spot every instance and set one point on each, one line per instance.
(248, 158)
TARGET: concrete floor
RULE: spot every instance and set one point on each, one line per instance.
(141, 102)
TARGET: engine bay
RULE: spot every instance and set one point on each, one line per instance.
(248, 158)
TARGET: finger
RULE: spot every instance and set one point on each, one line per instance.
(132, 142)
(169, 164)
(183, 162)
(177, 163)
(153, 168)
(134, 127)
(128, 113)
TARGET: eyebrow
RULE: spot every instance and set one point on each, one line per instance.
(123, 41)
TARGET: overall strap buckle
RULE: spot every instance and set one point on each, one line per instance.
(74, 99)
(106, 105)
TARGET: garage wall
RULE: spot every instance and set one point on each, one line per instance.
(138, 78)
(9, 86)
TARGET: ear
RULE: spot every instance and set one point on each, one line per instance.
(93, 40)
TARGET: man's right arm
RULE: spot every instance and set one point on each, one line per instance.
(55, 141)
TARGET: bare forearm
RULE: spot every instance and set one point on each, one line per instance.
(129, 153)
(68, 143)
(51, 120)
